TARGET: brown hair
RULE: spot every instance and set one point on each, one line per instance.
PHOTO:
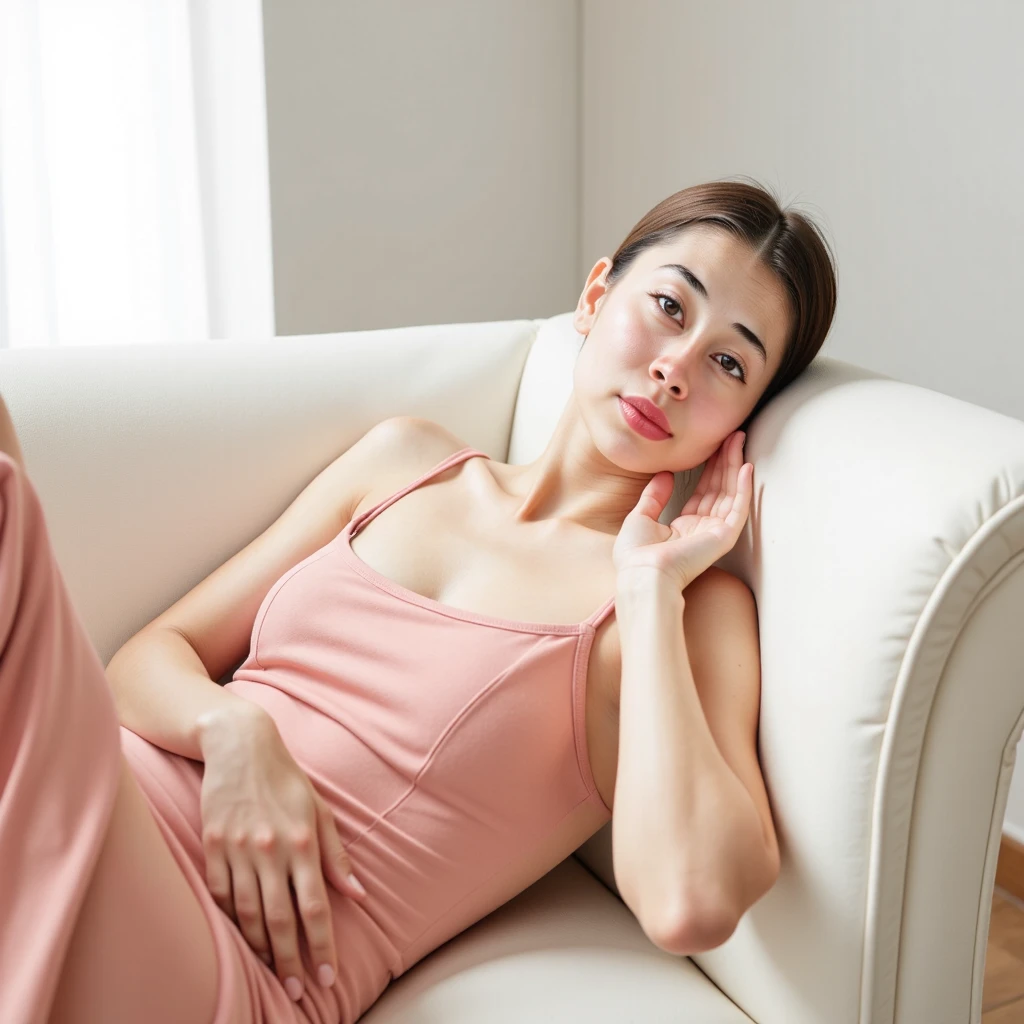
(789, 243)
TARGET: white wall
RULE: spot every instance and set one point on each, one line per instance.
(896, 123)
(423, 161)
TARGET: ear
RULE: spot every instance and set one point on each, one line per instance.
(590, 299)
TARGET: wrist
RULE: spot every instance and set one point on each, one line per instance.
(642, 584)
(646, 597)
(230, 720)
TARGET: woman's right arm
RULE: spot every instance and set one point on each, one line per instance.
(178, 702)
(162, 678)
(265, 828)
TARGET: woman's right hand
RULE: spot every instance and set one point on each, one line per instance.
(265, 825)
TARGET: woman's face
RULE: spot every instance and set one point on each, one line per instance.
(656, 334)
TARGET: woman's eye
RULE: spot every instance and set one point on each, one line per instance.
(736, 364)
(674, 308)
(668, 298)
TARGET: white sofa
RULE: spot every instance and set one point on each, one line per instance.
(885, 547)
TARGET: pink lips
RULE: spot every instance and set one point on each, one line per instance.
(648, 409)
(640, 422)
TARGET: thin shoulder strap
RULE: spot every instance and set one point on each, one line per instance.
(601, 614)
(447, 463)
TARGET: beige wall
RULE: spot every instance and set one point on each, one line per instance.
(896, 122)
(423, 161)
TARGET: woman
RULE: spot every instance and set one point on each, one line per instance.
(443, 721)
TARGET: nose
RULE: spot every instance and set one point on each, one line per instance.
(673, 366)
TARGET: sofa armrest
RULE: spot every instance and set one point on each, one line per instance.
(885, 549)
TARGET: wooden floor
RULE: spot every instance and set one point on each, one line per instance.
(1003, 994)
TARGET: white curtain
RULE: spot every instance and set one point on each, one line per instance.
(134, 185)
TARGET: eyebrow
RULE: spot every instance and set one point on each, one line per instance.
(698, 287)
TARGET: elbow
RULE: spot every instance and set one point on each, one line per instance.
(694, 933)
(709, 923)
(684, 927)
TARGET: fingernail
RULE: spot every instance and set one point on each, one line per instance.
(294, 988)
(356, 884)
(326, 975)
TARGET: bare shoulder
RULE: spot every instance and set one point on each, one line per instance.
(405, 447)
(714, 579)
(720, 609)
(719, 602)
(411, 441)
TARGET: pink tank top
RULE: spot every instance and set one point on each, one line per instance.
(450, 746)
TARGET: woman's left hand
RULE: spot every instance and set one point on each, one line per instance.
(707, 526)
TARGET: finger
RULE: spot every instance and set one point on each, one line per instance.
(249, 905)
(697, 494)
(721, 490)
(746, 484)
(738, 513)
(282, 925)
(732, 457)
(655, 495)
(315, 912)
(218, 874)
(334, 860)
(733, 468)
(710, 498)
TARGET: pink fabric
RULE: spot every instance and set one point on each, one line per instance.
(60, 765)
(450, 746)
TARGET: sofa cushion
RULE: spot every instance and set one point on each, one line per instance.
(563, 950)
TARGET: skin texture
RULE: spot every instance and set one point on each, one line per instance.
(595, 467)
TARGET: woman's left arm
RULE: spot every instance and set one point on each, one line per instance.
(689, 846)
